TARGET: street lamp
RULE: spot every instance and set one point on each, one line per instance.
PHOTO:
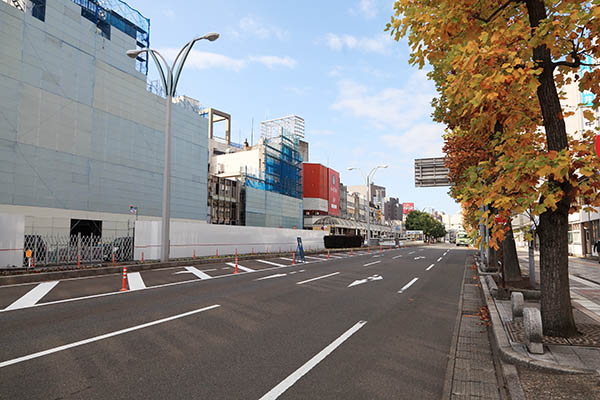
(368, 177)
(169, 82)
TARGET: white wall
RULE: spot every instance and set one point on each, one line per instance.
(12, 228)
(205, 239)
(234, 162)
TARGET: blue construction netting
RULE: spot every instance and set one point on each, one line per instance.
(116, 13)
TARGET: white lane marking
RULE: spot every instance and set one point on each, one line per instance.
(245, 269)
(272, 263)
(310, 364)
(318, 277)
(439, 259)
(301, 270)
(412, 252)
(195, 271)
(135, 281)
(101, 337)
(419, 258)
(583, 281)
(208, 270)
(332, 256)
(431, 266)
(315, 258)
(397, 257)
(270, 276)
(409, 284)
(377, 256)
(369, 279)
(286, 259)
(33, 296)
(372, 263)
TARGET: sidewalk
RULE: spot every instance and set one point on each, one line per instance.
(471, 369)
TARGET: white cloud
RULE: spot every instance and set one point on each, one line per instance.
(256, 27)
(367, 8)
(205, 60)
(404, 113)
(274, 61)
(378, 44)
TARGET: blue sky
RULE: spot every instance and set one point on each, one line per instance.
(329, 62)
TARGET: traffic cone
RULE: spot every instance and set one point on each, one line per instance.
(351, 252)
(78, 261)
(328, 254)
(142, 257)
(236, 261)
(124, 288)
(194, 256)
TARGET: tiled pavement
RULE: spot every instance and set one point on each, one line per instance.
(474, 374)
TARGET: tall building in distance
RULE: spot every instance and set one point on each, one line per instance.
(321, 192)
(393, 209)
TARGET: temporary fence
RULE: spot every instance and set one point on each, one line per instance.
(45, 250)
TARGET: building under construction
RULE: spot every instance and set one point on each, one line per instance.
(271, 174)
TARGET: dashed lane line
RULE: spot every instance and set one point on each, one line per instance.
(439, 259)
(409, 284)
(310, 364)
(431, 266)
(101, 337)
(393, 258)
(372, 263)
(272, 263)
(317, 278)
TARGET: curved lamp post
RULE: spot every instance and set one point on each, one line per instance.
(169, 82)
(368, 177)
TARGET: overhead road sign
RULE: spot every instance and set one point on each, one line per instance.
(431, 172)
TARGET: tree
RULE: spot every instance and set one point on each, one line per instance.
(499, 70)
(422, 221)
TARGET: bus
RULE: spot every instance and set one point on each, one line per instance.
(462, 239)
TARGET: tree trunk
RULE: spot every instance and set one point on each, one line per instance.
(512, 270)
(557, 312)
(493, 259)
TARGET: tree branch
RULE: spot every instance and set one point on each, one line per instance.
(498, 10)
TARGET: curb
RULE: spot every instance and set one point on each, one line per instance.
(501, 343)
(447, 391)
(33, 277)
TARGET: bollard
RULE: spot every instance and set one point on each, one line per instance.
(294, 259)
(194, 255)
(124, 288)
(113, 258)
(217, 252)
(517, 303)
(532, 322)
(142, 257)
(236, 261)
(328, 254)
(78, 261)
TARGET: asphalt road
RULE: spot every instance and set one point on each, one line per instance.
(357, 327)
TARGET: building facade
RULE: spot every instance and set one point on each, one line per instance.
(81, 137)
(321, 188)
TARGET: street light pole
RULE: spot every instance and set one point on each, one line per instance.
(368, 177)
(169, 82)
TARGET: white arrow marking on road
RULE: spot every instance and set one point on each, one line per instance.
(245, 269)
(428, 268)
(419, 258)
(272, 263)
(195, 271)
(270, 276)
(310, 364)
(33, 296)
(397, 257)
(318, 277)
(439, 259)
(369, 279)
(135, 281)
(409, 284)
(372, 263)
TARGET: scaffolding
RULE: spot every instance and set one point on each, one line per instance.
(282, 166)
(292, 124)
(116, 13)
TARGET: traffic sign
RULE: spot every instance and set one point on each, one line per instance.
(28, 253)
(598, 146)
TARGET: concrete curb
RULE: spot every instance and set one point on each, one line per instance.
(501, 343)
(447, 391)
(86, 271)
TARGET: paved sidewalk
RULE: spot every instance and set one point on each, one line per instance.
(584, 277)
(472, 370)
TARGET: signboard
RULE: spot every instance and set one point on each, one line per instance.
(431, 172)
(408, 207)
(334, 192)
